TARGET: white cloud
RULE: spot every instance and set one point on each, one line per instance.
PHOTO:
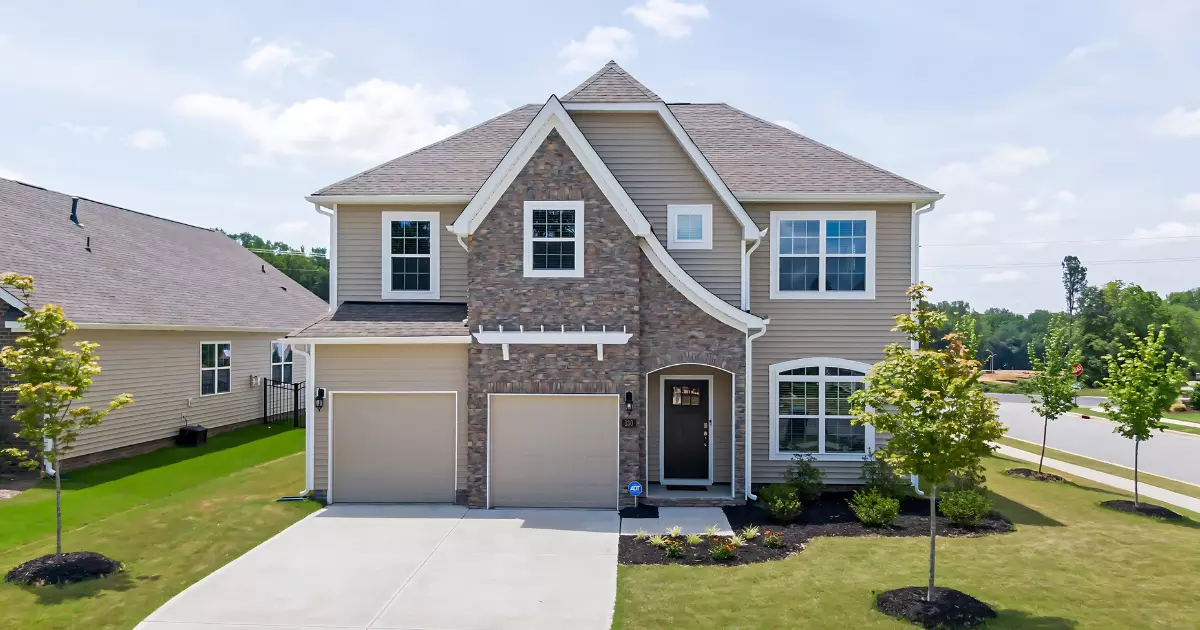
(789, 125)
(275, 58)
(1047, 218)
(1178, 122)
(1002, 162)
(1065, 196)
(147, 139)
(668, 17)
(1008, 161)
(373, 121)
(1169, 229)
(95, 133)
(601, 44)
(293, 228)
(1191, 201)
(1010, 275)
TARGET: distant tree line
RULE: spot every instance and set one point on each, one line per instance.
(308, 268)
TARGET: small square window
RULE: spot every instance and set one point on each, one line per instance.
(689, 227)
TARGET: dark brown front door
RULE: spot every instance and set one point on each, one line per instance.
(685, 430)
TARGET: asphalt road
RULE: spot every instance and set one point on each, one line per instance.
(1083, 401)
(1173, 455)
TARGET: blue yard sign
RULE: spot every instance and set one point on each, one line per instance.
(635, 488)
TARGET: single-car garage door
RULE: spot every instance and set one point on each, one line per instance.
(553, 451)
(393, 448)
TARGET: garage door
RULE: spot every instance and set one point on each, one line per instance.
(553, 451)
(393, 448)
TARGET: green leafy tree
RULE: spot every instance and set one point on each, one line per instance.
(1074, 278)
(1142, 381)
(931, 402)
(309, 269)
(49, 382)
(1052, 381)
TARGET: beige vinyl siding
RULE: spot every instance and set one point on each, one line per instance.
(360, 259)
(722, 398)
(161, 369)
(389, 367)
(856, 330)
(651, 166)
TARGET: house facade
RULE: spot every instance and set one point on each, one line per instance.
(603, 289)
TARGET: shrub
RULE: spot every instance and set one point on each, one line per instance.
(674, 548)
(784, 508)
(694, 539)
(1178, 407)
(711, 530)
(658, 540)
(773, 540)
(736, 540)
(970, 478)
(805, 477)
(675, 532)
(874, 509)
(965, 508)
(878, 476)
(641, 535)
(721, 550)
(1194, 399)
(750, 532)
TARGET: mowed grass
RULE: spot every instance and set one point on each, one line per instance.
(1070, 564)
(1183, 417)
(176, 516)
(1104, 467)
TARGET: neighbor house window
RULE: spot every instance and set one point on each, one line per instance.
(411, 255)
(215, 367)
(554, 239)
(689, 227)
(810, 410)
(822, 255)
(281, 362)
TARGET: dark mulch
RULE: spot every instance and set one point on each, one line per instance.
(1145, 509)
(1029, 473)
(949, 608)
(75, 566)
(631, 551)
(641, 511)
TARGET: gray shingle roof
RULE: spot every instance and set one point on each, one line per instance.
(389, 319)
(611, 84)
(141, 269)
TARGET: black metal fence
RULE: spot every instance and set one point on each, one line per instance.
(283, 403)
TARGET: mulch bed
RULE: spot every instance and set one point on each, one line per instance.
(75, 566)
(1029, 473)
(1145, 509)
(631, 551)
(641, 511)
(949, 609)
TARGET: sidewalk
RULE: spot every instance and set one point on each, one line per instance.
(1145, 490)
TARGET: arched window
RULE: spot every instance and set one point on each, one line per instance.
(810, 410)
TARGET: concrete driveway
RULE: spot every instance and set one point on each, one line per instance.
(410, 567)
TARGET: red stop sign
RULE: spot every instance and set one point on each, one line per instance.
(1077, 369)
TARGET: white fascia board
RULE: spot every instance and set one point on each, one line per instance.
(694, 291)
(839, 198)
(182, 327)
(553, 337)
(12, 300)
(552, 116)
(749, 230)
(329, 201)
(437, 339)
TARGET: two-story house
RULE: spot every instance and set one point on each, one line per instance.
(601, 289)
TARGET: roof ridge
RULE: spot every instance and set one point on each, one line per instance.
(588, 81)
(825, 146)
(105, 204)
(637, 85)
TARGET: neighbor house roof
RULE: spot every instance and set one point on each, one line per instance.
(117, 266)
(389, 319)
(611, 84)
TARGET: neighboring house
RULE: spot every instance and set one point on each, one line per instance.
(602, 289)
(185, 317)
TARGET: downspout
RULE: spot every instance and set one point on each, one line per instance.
(459, 237)
(916, 277)
(332, 214)
(309, 352)
(749, 385)
(746, 268)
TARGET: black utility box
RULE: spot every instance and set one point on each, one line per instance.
(192, 436)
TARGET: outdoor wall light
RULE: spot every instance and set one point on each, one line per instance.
(628, 402)
(319, 400)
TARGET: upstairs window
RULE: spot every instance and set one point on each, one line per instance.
(822, 255)
(216, 359)
(810, 410)
(411, 255)
(281, 362)
(689, 227)
(554, 239)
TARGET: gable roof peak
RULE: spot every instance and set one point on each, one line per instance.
(611, 84)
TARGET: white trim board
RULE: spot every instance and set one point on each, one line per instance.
(170, 327)
(386, 256)
(527, 239)
(331, 201)
(11, 300)
(823, 218)
(662, 419)
(436, 339)
(676, 210)
(839, 198)
(720, 309)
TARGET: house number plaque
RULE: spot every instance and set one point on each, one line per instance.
(628, 423)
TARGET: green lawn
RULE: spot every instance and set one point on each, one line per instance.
(172, 517)
(1070, 564)
(1092, 391)
(1112, 469)
(1186, 417)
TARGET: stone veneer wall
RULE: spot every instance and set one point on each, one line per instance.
(618, 286)
(8, 403)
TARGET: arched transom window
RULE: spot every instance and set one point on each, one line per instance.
(810, 409)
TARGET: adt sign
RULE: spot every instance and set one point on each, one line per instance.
(635, 489)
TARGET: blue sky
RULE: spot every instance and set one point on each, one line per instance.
(1040, 121)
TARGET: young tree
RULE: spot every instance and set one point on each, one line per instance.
(1142, 381)
(49, 381)
(1074, 278)
(1052, 380)
(931, 402)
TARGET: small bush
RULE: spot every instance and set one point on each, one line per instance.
(878, 476)
(658, 540)
(694, 539)
(776, 490)
(641, 535)
(783, 508)
(750, 532)
(711, 530)
(971, 478)
(1194, 400)
(675, 532)
(805, 477)
(965, 508)
(1178, 407)
(736, 540)
(772, 540)
(874, 509)
(674, 548)
(721, 550)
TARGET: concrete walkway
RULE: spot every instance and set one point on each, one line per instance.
(1145, 490)
(414, 567)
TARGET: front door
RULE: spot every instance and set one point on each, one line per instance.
(685, 430)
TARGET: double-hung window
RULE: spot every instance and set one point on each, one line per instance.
(822, 255)
(689, 226)
(411, 255)
(281, 362)
(810, 410)
(553, 239)
(215, 367)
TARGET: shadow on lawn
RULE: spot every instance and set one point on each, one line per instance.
(117, 582)
(1021, 514)
(1026, 621)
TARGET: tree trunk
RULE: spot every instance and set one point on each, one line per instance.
(1136, 443)
(1045, 429)
(57, 503)
(932, 539)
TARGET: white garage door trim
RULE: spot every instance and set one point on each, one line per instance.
(616, 446)
(329, 433)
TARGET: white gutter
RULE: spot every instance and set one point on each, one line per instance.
(332, 201)
(332, 214)
(310, 414)
(437, 339)
(750, 403)
(15, 325)
(915, 263)
(839, 198)
(746, 268)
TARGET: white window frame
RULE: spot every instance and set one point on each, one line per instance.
(820, 363)
(435, 255)
(674, 211)
(577, 206)
(823, 216)
(215, 370)
(282, 362)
